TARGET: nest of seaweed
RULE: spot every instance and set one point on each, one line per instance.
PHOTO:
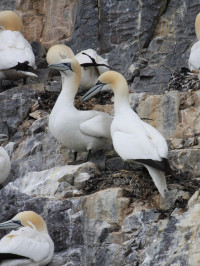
(47, 100)
(184, 80)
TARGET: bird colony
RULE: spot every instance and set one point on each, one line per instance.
(132, 139)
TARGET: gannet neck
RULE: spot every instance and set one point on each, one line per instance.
(69, 90)
(121, 100)
(197, 26)
(121, 92)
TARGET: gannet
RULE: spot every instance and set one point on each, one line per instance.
(16, 56)
(133, 139)
(5, 163)
(29, 245)
(92, 65)
(194, 59)
(58, 52)
(77, 130)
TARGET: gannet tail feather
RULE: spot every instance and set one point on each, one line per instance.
(158, 179)
(163, 165)
(11, 256)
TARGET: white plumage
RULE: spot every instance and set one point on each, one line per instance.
(92, 65)
(132, 138)
(5, 163)
(194, 59)
(14, 49)
(89, 71)
(31, 241)
(77, 130)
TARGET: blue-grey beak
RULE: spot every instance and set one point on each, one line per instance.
(11, 224)
(61, 66)
(93, 91)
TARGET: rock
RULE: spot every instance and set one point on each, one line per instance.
(186, 161)
(15, 107)
(62, 181)
(81, 180)
(38, 114)
(109, 210)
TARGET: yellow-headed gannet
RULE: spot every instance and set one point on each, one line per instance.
(58, 52)
(194, 59)
(5, 163)
(29, 245)
(16, 55)
(132, 138)
(92, 65)
(77, 130)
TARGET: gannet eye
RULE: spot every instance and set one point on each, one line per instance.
(68, 65)
(17, 222)
(99, 82)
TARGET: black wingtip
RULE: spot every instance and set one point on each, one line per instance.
(11, 256)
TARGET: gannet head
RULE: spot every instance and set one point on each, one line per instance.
(58, 52)
(197, 26)
(69, 68)
(108, 80)
(9, 20)
(26, 218)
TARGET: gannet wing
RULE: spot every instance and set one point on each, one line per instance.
(157, 139)
(14, 49)
(97, 126)
(139, 148)
(5, 164)
(27, 246)
(89, 58)
(134, 146)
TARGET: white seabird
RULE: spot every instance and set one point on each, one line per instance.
(92, 65)
(77, 130)
(30, 245)
(133, 139)
(16, 56)
(5, 163)
(194, 59)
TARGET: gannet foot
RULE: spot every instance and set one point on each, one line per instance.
(75, 162)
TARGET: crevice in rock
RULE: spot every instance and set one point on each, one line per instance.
(166, 6)
(99, 21)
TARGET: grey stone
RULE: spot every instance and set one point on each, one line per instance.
(15, 106)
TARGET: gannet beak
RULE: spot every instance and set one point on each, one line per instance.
(3, 138)
(11, 224)
(93, 91)
(61, 66)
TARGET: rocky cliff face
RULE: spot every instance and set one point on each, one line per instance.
(103, 212)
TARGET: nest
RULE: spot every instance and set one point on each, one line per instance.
(47, 100)
(184, 80)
